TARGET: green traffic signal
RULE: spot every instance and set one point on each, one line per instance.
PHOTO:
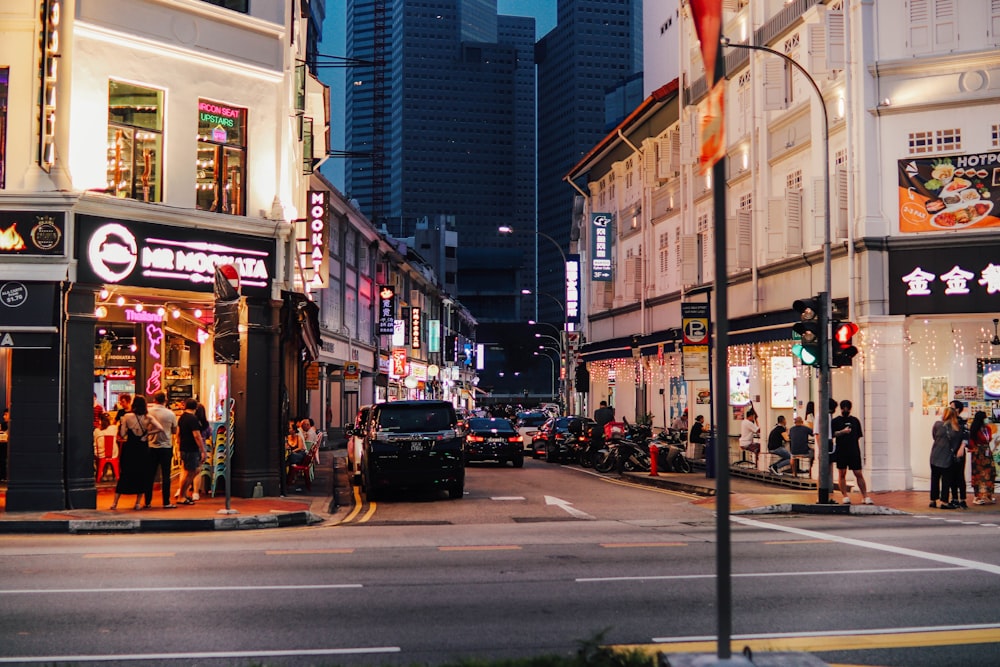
(810, 348)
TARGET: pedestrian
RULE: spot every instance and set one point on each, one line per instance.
(983, 469)
(161, 449)
(810, 419)
(798, 440)
(957, 473)
(749, 429)
(947, 434)
(106, 428)
(776, 441)
(192, 449)
(124, 405)
(697, 436)
(133, 463)
(603, 414)
(680, 424)
(846, 429)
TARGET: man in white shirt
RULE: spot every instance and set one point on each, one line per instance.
(161, 448)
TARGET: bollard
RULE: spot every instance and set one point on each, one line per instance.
(653, 451)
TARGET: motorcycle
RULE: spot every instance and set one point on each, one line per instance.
(622, 456)
(667, 441)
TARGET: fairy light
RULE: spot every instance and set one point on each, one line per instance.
(197, 312)
(105, 294)
(101, 312)
(120, 301)
(138, 307)
(161, 311)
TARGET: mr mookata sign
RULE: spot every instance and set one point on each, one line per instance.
(142, 254)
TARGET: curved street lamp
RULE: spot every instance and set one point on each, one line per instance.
(552, 377)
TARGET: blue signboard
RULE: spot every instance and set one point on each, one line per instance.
(600, 250)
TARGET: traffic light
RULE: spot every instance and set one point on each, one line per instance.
(842, 352)
(226, 342)
(809, 348)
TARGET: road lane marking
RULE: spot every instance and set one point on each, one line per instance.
(633, 485)
(837, 640)
(483, 547)
(162, 554)
(752, 575)
(901, 551)
(568, 507)
(175, 589)
(797, 542)
(627, 545)
(368, 515)
(507, 498)
(354, 510)
(206, 655)
(298, 552)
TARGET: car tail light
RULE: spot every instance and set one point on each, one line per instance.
(476, 438)
(514, 438)
(560, 436)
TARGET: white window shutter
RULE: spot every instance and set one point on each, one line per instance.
(840, 204)
(689, 137)
(817, 49)
(793, 222)
(995, 20)
(649, 162)
(836, 40)
(774, 85)
(708, 255)
(945, 24)
(919, 15)
(637, 280)
(775, 227)
(819, 210)
(689, 259)
(664, 163)
(675, 147)
(744, 239)
(731, 6)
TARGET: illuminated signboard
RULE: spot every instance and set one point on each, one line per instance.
(573, 289)
(313, 256)
(386, 310)
(144, 254)
(221, 123)
(32, 233)
(943, 280)
(415, 328)
(399, 367)
(600, 236)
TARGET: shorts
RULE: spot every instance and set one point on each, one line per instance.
(848, 457)
(191, 460)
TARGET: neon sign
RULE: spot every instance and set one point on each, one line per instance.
(314, 255)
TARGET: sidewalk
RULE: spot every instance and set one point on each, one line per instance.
(300, 507)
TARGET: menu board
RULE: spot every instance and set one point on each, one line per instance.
(739, 385)
(782, 382)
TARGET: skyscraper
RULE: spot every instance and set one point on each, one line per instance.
(595, 46)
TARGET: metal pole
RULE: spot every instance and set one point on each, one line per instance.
(823, 370)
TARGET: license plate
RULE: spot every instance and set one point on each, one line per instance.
(495, 441)
(416, 447)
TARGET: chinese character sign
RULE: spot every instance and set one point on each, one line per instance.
(573, 289)
(945, 280)
(949, 193)
(600, 251)
(386, 310)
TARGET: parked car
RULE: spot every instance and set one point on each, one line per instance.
(551, 440)
(493, 439)
(413, 443)
(527, 424)
(355, 433)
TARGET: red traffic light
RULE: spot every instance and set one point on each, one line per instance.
(844, 332)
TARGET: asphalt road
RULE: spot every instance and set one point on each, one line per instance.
(531, 561)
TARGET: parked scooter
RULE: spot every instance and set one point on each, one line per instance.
(670, 451)
(622, 455)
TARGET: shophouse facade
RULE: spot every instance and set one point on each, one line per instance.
(144, 144)
(910, 145)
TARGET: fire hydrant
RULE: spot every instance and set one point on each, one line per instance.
(653, 451)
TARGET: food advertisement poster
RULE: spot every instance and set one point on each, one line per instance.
(935, 392)
(949, 193)
(782, 382)
(739, 385)
(991, 380)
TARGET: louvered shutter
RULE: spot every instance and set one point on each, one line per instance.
(793, 222)
(995, 20)
(945, 24)
(836, 41)
(689, 259)
(609, 295)
(664, 158)
(817, 50)
(775, 85)
(775, 227)
(919, 15)
(649, 167)
(744, 239)
(840, 201)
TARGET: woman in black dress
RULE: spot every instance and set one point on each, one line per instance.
(136, 427)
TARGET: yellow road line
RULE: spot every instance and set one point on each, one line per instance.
(164, 554)
(831, 642)
(485, 547)
(626, 545)
(354, 510)
(296, 552)
(668, 492)
(368, 515)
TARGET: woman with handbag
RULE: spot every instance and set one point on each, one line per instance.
(983, 470)
(133, 432)
(948, 437)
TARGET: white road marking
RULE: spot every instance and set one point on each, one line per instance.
(901, 551)
(750, 575)
(507, 498)
(20, 660)
(175, 589)
(568, 506)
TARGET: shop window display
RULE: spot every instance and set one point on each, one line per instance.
(221, 163)
(135, 142)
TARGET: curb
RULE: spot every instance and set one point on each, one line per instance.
(96, 526)
(649, 480)
(797, 508)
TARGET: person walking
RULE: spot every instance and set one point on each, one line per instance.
(947, 436)
(846, 430)
(776, 441)
(161, 449)
(983, 469)
(192, 449)
(133, 462)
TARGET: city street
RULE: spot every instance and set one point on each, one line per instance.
(531, 561)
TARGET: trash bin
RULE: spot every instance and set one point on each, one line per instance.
(710, 455)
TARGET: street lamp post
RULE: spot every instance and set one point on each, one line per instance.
(552, 376)
(825, 389)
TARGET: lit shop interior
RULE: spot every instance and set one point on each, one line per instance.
(145, 343)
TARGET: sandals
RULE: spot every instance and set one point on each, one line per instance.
(138, 506)
(187, 501)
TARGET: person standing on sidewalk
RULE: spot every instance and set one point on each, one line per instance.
(957, 474)
(135, 428)
(161, 449)
(192, 449)
(947, 436)
(846, 429)
(983, 470)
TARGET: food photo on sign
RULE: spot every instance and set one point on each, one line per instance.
(949, 193)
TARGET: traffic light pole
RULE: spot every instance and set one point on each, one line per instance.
(823, 415)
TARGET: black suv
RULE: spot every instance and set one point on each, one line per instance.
(413, 443)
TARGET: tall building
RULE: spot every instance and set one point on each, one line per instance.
(593, 48)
